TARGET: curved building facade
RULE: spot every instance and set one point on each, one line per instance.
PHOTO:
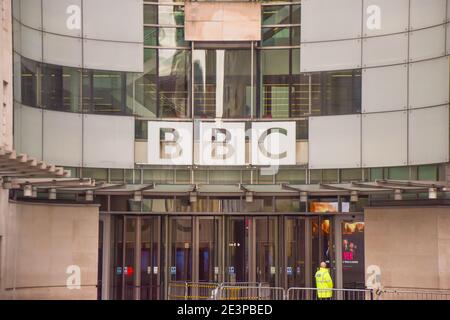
(233, 136)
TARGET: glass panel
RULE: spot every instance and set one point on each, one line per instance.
(348, 175)
(165, 176)
(275, 15)
(145, 102)
(150, 14)
(181, 249)
(208, 264)
(103, 91)
(428, 173)
(295, 252)
(292, 176)
(376, 174)
(224, 176)
(116, 175)
(130, 255)
(266, 237)
(302, 129)
(222, 83)
(336, 92)
(150, 266)
(150, 36)
(29, 82)
(60, 89)
(278, 36)
(399, 173)
(172, 37)
(287, 205)
(353, 254)
(174, 68)
(97, 174)
(236, 248)
(330, 176)
(296, 13)
(117, 257)
(171, 15)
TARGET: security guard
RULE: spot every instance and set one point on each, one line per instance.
(324, 283)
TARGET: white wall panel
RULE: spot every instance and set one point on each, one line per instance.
(63, 138)
(31, 13)
(429, 83)
(28, 131)
(17, 36)
(118, 56)
(385, 50)
(394, 16)
(335, 55)
(56, 13)
(331, 20)
(31, 43)
(61, 50)
(427, 13)
(117, 20)
(385, 139)
(427, 43)
(108, 141)
(335, 142)
(429, 135)
(385, 89)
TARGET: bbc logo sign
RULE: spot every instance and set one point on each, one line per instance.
(221, 143)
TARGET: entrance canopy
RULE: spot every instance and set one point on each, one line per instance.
(355, 189)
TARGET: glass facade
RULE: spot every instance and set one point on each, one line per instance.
(183, 80)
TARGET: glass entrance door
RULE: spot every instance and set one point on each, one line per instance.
(180, 263)
(295, 251)
(136, 258)
(266, 250)
(237, 249)
(150, 272)
(209, 262)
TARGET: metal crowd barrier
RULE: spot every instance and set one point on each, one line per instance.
(191, 290)
(262, 291)
(336, 294)
(250, 293)
(413, 294)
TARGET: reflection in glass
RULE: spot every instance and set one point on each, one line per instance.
(336, 92)
(171, 15)
(275, 15)
(284, 91)
(222, 83)
(104, 91)
(29, 82)
(150, 14)
(150, 36)
(174, 69)
(60, 89)
(145, 100)
(181, 249)
(172, 37)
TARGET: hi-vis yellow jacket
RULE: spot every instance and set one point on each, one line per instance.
(324, 283)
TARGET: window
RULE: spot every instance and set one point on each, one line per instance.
(336, 92)
(29, 82)
(284, 91)
(222, 83)
(173, 70)
(104, 91)
(145, 95)
(60, 89)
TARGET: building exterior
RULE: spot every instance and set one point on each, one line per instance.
(230, 141)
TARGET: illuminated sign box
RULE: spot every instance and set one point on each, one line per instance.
(222, 21)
